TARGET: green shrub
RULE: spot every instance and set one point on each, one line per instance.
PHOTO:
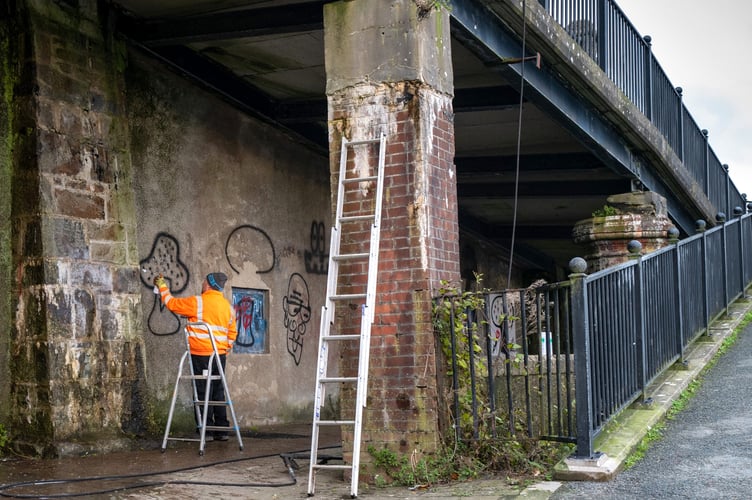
(606, 211)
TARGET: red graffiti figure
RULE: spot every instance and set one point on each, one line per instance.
(244, 318)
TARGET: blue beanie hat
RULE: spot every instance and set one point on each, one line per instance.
(216, 280)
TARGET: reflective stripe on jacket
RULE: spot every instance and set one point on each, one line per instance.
(210, 307)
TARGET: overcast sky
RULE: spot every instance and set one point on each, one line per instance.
(702, 46)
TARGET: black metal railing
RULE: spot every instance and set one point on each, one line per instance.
(606, 34)
(510, 363)
(642, 315)
(613, 332)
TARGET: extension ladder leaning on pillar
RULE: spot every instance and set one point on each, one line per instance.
(201, 406)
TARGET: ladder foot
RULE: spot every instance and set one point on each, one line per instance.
(201, 453)
(163, 450)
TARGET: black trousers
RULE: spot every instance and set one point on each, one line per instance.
(216, 415)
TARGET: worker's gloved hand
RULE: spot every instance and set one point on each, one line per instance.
(159, 281)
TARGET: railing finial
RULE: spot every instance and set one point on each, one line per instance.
(634, 247)
(578, 265)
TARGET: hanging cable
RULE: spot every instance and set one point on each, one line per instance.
(519, 141)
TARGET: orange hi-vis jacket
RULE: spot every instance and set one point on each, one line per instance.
(210, 307)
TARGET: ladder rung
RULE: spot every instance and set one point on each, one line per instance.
(356, 218)
(332, 466)
(326, 380)
(353, 336)
(348, 296)
(359, 179)
(335, 422)
(350, 256)
(364, 141)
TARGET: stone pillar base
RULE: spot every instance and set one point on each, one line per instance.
(640, 216)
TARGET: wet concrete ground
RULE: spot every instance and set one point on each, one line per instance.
(224, 471)
(259, 468)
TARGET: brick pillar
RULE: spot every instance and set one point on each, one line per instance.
(389, 69)
(77, 350)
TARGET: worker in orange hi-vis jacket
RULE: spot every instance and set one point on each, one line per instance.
(212, 308)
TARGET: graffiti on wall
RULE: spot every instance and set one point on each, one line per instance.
(317, 259)
(164, 259)
(250, 315)
(249, 243)
(251, 305)
(297, 311)
(499, 310)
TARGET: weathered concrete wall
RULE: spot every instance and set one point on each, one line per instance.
(217, 190)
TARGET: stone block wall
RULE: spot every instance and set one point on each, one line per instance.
(76, 353)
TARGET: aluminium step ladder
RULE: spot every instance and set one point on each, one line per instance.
(185, 372)
(358, 210)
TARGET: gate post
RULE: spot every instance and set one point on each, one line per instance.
(582, 372)
(584, 463)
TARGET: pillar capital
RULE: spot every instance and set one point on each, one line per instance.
(387, 41)
(639, 218)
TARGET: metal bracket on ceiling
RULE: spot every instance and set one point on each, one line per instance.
(515, 60)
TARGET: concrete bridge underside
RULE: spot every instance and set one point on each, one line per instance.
(575, 142)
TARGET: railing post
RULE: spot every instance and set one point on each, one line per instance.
(471, 365)
(729, 209)
(700, 226)
(648, 78)
(455, 376)
(706, 158)
(739, 213)
(582, 366)
(679, 92)
(721, 217)
(745, 223)
(635, 250)
(602, 37)
(489, 362)
(673, 238)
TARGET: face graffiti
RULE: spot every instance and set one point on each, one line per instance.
(297, 312)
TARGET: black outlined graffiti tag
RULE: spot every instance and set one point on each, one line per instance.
(164, 259)
(245, 241)
(317, 259)
(297, 311)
